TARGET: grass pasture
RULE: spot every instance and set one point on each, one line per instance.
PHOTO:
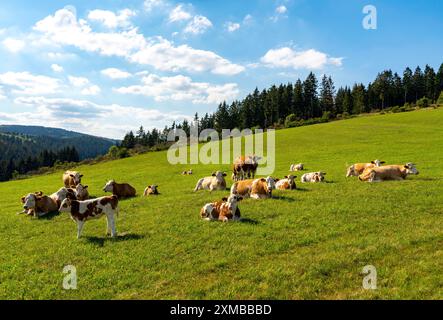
(306, 244)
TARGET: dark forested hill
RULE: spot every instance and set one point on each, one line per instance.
(22, 141)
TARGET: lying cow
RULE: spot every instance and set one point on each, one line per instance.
(254, 188)
(215, 182)
(82, 211)
(288, 183)
(245, 167)
(313, 177)
(297, 167)
(392, 172)
(38, 205)
(187, 173)
(62, 194)
(81, 192)
(121, 190)
(224, 210)
(358, 168)
(151, 191)
(72, 178)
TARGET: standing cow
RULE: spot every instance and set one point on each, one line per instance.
(245, 167)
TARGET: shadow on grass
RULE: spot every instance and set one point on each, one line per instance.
(120, 237)
(249, 221)
(49, 216)
(284, 198)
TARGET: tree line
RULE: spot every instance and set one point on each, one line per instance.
(312, 101)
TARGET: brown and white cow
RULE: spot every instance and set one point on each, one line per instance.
(121, 190)
(151, 191)
(313, 177)
(62, 194)
(254, 188)
(224, 210)
(38, 205)
(245, 167)
(297, 167)
(288, 183)
(358, 168)
(82, 211)
(187, 173)
(215, 182)
(72, 178)
(391, 172)
(82, 192)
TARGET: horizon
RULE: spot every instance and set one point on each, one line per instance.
(165, 60)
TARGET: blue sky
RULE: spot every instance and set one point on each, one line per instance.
(105, 67)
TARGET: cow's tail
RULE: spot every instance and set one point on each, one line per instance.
(199, 185)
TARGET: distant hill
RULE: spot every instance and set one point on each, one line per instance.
(19, 141)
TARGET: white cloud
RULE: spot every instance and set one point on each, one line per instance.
(232, 26)
(290, 58)
(157, 52)
(2, 94)
(27, 83)
(57, 68)
(91, 91)
(179, 14)
(14, 45)
(150, 5)
(112, 20)
(281, 10)
(198, 25)
(247, 19)
(182, 88)
(78, 81)
(115, 73)
(84, 116)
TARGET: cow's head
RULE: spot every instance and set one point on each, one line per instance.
(270, 182)
(291, 180)
(66, 205)
(81, 191)
(411, 169)
(219, 174)
(351, 172)
(319, 176)
(232, 202)
(206, 211)
(154, 189)
(378, 163)
(30, 201)
(253, 159)
(77, 177)
(109, 187)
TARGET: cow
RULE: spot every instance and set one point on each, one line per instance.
(72, 178)
(82, 211)
(121, 190)
(82, 192)
(151, 191)
(187, 173)
(288, 183)
(215, 182)
(313, 177)
(224, 210)
(38, 205)
(358, 168)
(245, 167)
(62, 194)
(297, 167)
(391, 172)
(254, 188)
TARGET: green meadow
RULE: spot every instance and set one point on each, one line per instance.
(311, 243)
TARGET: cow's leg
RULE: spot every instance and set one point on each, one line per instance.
(112, 223)
(79, 228)
(108, 226)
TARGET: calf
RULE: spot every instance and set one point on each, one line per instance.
(288, 183)
(121, 190)
(358, 168)
(38, 205)
(245, 167)
(82, 192)
(187, 173)
(72, 178)
(224, 210)
(215, 182)
(313, 177)
(392, 172)
(63, 194)
(297, 167)
(151, 191)
(82, 211)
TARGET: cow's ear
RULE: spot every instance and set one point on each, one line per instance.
(239, 198)
(224, 199)
(86, 187)
(372, 162)
(224, 174)
(81, 176)
(213, 174)
(382, 162)
(263, 179)
(71, 175)
(23, 199)
(286, 177)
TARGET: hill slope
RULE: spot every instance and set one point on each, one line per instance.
(309, 243)
(39, 138)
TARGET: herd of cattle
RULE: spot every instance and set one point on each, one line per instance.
(74, 197)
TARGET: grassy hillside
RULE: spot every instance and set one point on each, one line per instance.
(310, 244)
